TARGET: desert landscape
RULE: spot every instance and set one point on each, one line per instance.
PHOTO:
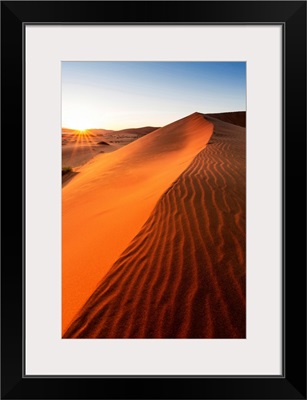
(153, 230)
(78, 147)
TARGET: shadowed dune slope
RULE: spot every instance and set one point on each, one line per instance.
(183, 275)
(236, 117)
(109, 200)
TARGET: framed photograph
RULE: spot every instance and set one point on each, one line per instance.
(154, 210)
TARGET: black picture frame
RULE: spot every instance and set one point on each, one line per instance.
(292, 16)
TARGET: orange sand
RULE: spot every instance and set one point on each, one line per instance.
(107, 203)
(183, 275)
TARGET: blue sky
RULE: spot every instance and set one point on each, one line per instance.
(118, 95)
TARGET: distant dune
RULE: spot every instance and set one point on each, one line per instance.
(105, 206)
(90, 131)
(183, 274)
(236, 118)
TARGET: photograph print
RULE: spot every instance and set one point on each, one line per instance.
(153, 200)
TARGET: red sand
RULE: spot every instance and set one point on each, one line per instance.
(109, 200)
(183, 274)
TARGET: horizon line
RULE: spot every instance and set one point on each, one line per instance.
(145, 126)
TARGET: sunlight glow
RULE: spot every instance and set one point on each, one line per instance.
(120, 95)
(78, 121)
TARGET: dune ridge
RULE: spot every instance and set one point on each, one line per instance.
(183, 274)
(109, 200)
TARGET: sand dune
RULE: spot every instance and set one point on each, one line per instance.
(79, 149)
(107, 203)
(183, 274)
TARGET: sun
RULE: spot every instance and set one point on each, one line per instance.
(82, 132)
(79, 124)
